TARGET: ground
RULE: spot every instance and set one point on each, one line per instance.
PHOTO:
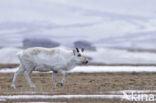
(79, 83)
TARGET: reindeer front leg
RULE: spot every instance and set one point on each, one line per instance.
(63, 78)
(54, 77)
(27, 77)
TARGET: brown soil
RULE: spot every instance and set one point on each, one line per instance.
(80, 83)
(8, 65)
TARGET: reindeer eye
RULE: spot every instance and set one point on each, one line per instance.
(79, 55)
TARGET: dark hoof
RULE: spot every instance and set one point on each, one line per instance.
(59, 84)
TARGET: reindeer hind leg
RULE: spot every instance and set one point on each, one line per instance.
(16, 74)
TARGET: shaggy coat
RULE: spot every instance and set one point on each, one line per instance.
(58, 60)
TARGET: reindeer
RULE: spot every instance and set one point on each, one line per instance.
(58, 60)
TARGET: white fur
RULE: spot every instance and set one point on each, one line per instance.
(47, 59)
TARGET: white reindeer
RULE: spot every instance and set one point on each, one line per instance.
(41, 59)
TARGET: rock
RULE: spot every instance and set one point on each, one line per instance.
(84, 44)
(39, 43)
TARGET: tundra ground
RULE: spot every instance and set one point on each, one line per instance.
(77, 83)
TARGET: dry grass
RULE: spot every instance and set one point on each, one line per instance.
(8, 65)
(79, 83)
(82, 83)
(88, 100)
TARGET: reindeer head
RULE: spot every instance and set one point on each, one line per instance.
(79, 57)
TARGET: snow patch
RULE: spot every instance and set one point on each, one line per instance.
(40, 102)
(58, 96)
(108, 55)
(8, 55)
(122, 97)
(2, 100)
(93, 69)
(8, 70)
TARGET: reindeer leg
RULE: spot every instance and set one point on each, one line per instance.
(27, 77)
(63, 78)
(54, 77)
(20, 70)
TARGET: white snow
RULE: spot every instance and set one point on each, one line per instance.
(8, 55)
(2, 100)
(108, 55)
(8, 70)
(122, 97)
(113, 69)
(58, 96)
(92, 69)
(112, 95)
(71, 20)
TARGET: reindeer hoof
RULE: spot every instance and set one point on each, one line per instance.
(60, 84)
(33, 86)
(13, 86)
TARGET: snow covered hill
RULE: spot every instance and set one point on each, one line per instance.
(105, 23)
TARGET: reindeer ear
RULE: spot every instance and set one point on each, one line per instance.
(82, 49)
(77, 49)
